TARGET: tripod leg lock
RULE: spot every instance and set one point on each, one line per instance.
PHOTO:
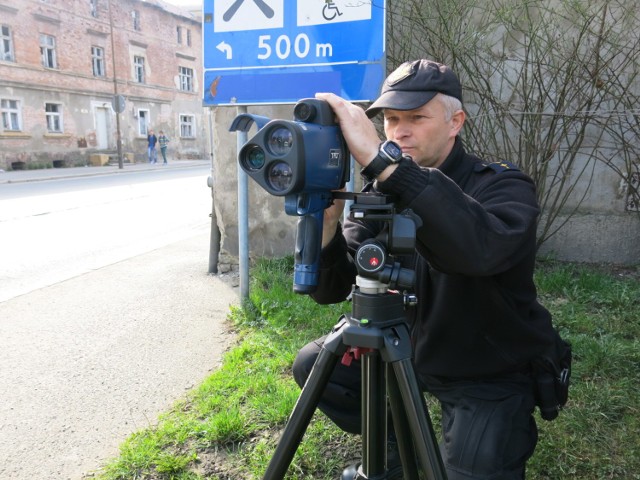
(354, 353)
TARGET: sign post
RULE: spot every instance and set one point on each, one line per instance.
(279, 51)
(267, 52)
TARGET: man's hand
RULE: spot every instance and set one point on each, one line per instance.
(332, 216)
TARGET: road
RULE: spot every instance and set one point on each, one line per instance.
(58, 229)
(108, 315)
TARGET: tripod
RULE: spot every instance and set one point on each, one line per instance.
(377, 332)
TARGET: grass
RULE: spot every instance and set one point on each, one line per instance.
(228, 427)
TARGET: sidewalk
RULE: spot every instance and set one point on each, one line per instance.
(90, 360)
(20, 176)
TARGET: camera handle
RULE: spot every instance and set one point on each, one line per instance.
(307, 253)
(310, 208)
(377, 331)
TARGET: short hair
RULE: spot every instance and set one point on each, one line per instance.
(451, 105)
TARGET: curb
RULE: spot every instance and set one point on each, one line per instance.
(12, 177)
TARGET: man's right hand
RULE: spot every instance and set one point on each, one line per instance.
(332, 215)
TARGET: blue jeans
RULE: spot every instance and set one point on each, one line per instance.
(153, 155)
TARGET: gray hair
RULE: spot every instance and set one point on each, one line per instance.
(451, 105)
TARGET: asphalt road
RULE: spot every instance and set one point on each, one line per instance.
(56, 229)
(92, 358)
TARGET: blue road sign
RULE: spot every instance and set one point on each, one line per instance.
(279, 51)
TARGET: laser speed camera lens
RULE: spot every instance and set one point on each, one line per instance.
(304, 112)
(254, 158)
(280, 141)
(280, 177)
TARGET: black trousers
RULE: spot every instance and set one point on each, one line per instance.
(488, 428)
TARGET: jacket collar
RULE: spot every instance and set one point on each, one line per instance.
(456, 165)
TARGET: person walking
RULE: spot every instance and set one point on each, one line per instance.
(163, 141)
(151, 147)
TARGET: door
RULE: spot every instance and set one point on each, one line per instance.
(102, 128)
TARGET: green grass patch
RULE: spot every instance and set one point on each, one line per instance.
(228, 427)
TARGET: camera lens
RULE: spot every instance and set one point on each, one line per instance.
(254, 158)
(280, 141)
(304, 112)
(280, 176)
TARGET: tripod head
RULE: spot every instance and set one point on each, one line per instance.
(377, 269)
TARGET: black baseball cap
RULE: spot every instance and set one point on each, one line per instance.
(413, 84)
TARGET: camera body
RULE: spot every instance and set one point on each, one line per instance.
(303, 160)
(303, 156)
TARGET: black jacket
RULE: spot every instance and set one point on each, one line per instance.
(478, 313)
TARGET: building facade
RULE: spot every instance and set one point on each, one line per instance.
(77, 76)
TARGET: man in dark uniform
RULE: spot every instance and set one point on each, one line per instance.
(478, 324)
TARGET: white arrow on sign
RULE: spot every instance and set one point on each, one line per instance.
(226, 49)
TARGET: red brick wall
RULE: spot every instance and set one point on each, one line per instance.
(72, 83)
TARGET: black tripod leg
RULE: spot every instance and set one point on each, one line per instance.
(305, 406)
(424, 439)
(374, 415)
(401, 428)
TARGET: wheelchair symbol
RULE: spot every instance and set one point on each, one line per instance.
(330, 10)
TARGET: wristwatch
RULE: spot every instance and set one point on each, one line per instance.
(388, 154)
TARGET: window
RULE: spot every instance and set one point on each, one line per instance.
(48, 51)
(186, 79)
(138, 69)
(97, 60)
(6, 45)
(53, 112)
(135, 16)
(143, 122)
(179, 34)
(93, 4)
(10, 115)
(187, 126)
(188, 37)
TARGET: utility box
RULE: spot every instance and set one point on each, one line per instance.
(98, 159)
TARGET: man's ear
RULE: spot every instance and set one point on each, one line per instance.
(457, 121)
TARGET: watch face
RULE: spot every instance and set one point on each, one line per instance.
(392, 150)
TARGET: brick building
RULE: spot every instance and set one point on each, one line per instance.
(64, 64)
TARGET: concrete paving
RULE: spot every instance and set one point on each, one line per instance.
(90, 360)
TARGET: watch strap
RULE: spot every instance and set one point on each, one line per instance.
(375, 168)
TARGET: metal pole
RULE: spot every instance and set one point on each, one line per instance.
(115, 88)
(243, 218)
(350, 186)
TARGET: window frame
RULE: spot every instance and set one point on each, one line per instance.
(135, 17)
(139, 69)
(93, 8)
(11, 116)
(144, 117)
(187, 121)
(185, 77)
(98, 64)
(7, 53)
(48, 51)
(54, 118)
